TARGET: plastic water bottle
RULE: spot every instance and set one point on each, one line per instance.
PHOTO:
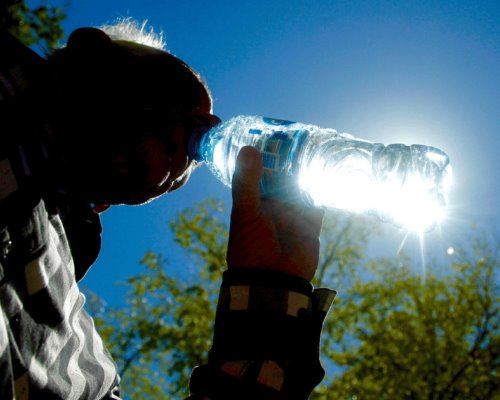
(401, 184)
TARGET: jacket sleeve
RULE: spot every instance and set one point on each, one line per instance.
(266, 338)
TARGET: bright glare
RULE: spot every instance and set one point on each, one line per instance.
(413, 202)
(413, 205)
(348, 187)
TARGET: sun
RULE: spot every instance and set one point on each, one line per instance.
(415, 201)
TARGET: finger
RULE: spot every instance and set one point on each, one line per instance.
(312, 219)
(246, 191)
(297, 219)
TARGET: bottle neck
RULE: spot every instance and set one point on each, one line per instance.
(195, 143)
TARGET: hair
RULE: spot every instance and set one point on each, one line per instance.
(110, 64)
(131, 31)
(127, 29)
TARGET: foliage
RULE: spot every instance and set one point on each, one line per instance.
(344, 240)
(399, 336)
(40, 25)
(390, 335)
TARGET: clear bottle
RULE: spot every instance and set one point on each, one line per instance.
(404, 185)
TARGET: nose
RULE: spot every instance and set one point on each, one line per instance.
(214, 120)
(203, 118)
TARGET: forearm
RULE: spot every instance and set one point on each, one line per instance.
(266, 338)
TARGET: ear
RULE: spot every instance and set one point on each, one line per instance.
(89, 41)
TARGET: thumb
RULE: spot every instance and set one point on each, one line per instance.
(246, 191)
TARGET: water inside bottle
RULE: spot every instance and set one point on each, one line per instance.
(405, 185)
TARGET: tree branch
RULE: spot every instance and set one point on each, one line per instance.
(472, 352)
(331, 255)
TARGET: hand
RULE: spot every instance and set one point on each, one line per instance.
(267, 233)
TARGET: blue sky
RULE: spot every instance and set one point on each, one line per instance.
(390, 71)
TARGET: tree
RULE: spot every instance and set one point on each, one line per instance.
(164, 329)
(399, 336)
(390, 335)
(40, 25)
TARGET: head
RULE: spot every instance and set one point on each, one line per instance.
(125, 112)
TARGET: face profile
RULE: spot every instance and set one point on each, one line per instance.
(126, 111)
